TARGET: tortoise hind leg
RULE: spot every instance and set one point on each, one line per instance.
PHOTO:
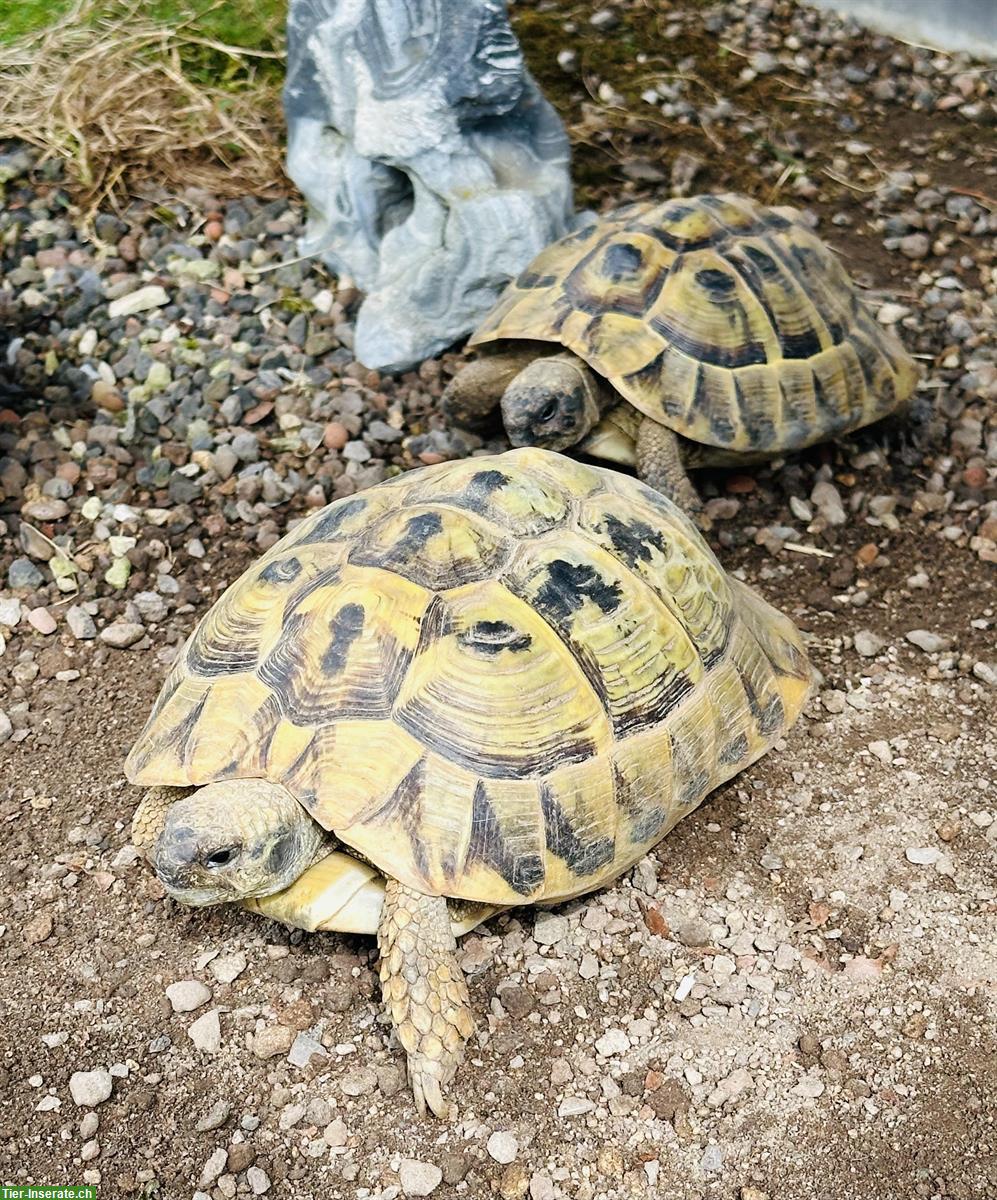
(659, 465)
(476, 389)
(424, 990)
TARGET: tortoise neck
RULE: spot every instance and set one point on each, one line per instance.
(600, 397)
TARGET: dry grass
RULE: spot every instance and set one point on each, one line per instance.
(114, 94)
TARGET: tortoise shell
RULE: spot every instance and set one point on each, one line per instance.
(728, 322)
(501, 679)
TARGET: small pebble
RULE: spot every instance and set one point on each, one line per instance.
(90, 1088)
(930, 643)
(122, 634)
(272, 1040)
(419, 1178)
(215, 1117)
(187, 995)
(206, 1032)
(549, 929)
(502, 1146)
(868, 644)
(141, 300)
(42, 620)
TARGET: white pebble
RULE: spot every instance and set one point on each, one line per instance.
(214, 1166)
(882, 751)
(419, 1178)
(258, 1180)
(574, 1106)
(867, 643)
(90, 1088)
(138, 301)
(206, 1032)
(614, 1041)
(930, 643)
(549, 929)
(228, 967)
(503, 1147)
(187, 994)
(987, 672)
(922, 856)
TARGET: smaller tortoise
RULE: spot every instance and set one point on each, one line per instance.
(729, 332)
(483, 684)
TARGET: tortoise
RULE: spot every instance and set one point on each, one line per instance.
(486, 683)
(710, 331)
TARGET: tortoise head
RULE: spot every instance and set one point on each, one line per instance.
(553, 403)
(233, 840)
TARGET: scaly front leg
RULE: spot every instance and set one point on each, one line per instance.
(150, 816)
(659, 465)
(424, 990)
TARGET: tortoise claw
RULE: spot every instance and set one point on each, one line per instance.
(427, 1087)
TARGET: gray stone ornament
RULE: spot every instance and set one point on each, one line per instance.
(433, 168)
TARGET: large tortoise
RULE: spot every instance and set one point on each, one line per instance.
(707, 331)
(492, 682)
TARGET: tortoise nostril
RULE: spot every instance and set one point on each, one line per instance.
(221, 857)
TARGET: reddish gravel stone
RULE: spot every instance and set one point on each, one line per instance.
(106, 396)
(42, 620)
(740, 484)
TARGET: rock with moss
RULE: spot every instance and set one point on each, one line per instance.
(433, 168)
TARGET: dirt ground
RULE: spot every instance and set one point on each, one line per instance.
(906, 1056)
(794, 996)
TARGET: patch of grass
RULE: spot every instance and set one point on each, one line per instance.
(257, 26)
(187, 93)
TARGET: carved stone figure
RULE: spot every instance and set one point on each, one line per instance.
(433, 168)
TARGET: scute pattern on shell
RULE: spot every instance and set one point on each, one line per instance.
(500, 679)
(729, 322)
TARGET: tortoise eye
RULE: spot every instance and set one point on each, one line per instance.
(548, 412)
(221, 857)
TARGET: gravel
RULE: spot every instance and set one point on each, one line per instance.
(80, 623)
(228, 967)
(272, 1041)
(987, 671)
(215, 1117)
(141, 300)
